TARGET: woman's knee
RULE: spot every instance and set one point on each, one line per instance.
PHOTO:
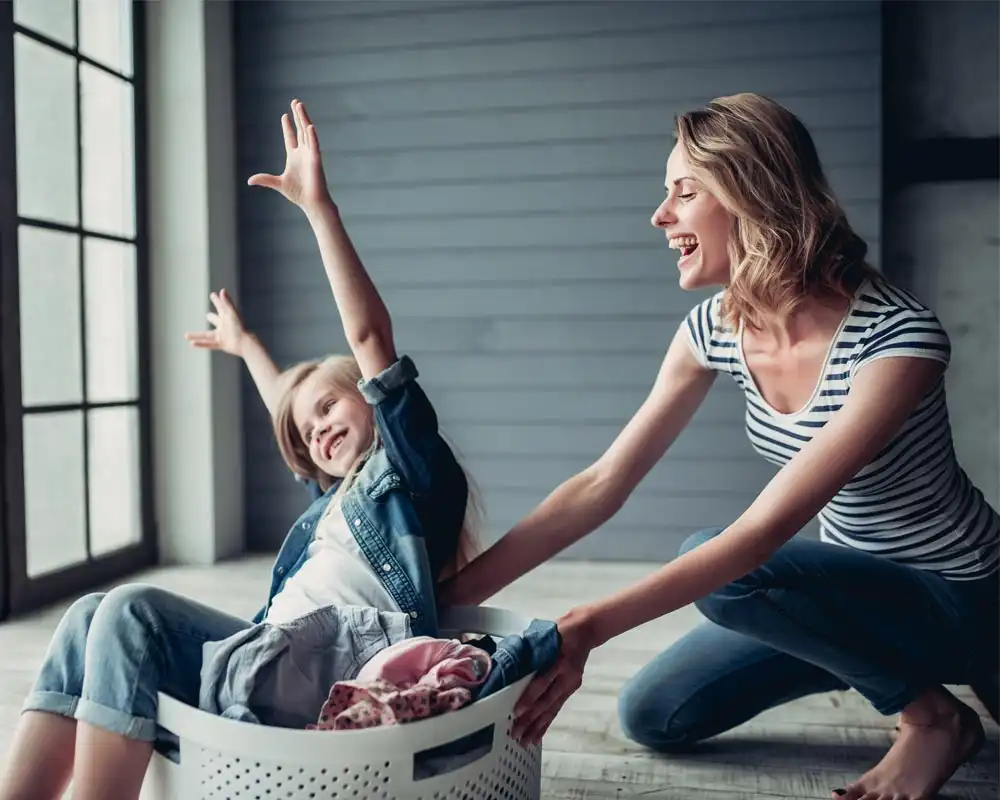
(652, 714)
(644, 725)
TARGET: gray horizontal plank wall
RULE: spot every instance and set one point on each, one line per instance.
(497, 165)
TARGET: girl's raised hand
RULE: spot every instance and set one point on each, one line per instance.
(228, 333)
(303, 182)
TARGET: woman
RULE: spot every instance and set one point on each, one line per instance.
(843, 377)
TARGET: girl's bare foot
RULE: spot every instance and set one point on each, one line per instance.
(937, 734)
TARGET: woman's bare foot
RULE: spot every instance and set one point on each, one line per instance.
(937, 734)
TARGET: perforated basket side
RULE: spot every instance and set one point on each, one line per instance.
(510, 772)
(222, 758)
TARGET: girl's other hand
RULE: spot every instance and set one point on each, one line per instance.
(228, 333)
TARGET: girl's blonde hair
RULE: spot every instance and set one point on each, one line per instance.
(342, 374)
(790, 236)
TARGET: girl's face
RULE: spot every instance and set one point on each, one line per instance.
(696, 224)
(336, 428)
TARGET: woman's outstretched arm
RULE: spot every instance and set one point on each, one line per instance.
(883, 395)
(590, 498)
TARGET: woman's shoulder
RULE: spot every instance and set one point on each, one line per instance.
(711, 338)
(882, 297)
(888, 320)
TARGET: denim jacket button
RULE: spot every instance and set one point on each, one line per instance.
(386, 567)
(281, 570)
(306, 525)
(414, 615)
(357, 522)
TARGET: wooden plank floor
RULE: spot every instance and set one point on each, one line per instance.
(800, 750)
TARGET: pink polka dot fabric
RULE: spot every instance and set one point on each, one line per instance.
(354, 704)
(414, 679)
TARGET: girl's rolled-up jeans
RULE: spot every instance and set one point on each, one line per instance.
(112, 653)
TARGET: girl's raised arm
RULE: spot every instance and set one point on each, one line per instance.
(366, 321)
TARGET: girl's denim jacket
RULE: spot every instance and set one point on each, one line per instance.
(406, 505)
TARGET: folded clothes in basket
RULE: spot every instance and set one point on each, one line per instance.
(413, 679)
(424, 677)
(534, 649)
(280, 674)
(283, 674)
(439, 663)
(371, 704)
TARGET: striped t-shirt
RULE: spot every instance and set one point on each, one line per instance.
(913, 502)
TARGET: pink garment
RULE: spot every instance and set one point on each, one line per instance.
(442, 663)
(369, 704)
(414, 679)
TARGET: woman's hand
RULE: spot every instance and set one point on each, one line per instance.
(229, 334)
(545, 695)
(303, 182)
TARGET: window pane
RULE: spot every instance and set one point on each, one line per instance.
(45, 126)
(52, 18)
(112, 334)
(53, 491)
(48, 270)
(108, 153)
(106, 32)
(113, 442)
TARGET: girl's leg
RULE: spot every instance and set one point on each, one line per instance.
(142, 640)
(40, 762)
(139, 640)
(108, 764)
(892, 632)
(710, 681)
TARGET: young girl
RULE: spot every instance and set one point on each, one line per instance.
(388, 521)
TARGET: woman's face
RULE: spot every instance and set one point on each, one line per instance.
(696, 225)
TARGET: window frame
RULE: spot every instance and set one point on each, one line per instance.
(19, 592)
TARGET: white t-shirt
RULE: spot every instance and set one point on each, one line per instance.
(335, 573)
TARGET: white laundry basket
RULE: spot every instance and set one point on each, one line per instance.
(223, 759)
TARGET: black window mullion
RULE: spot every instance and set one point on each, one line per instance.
(57, 408)
(77, 229)
(141, 154)
(11, 500)
(83, 289)
(41, 38)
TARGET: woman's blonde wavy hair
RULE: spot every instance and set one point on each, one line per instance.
(342, 374)
(790, 237)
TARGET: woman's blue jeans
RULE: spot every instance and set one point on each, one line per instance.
(816, 617)
(113, 652)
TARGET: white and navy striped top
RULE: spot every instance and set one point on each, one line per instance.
(913, 502)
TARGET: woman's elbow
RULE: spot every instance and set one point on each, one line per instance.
(606, 491)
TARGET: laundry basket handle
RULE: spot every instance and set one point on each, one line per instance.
(451, 756)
